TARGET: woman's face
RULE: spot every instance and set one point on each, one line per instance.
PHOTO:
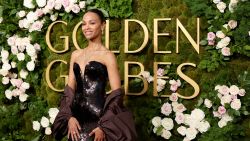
(92, 26)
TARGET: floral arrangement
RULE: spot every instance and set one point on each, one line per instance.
(22, 52)
(30, 20)
(46, 122)
(189, 125)
(221, 42)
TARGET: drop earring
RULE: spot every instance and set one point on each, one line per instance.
(102, 31)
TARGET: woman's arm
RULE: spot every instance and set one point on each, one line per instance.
(113, 72)
(71, 78)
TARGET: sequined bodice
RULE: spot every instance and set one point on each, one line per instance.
(90, 91)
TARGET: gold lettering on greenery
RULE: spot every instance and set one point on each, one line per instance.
(66, 41)
(156, 34)
(126, 37)
(189, 80)
(127, 76)
(128, 64)
(47, 75)
(195, 45)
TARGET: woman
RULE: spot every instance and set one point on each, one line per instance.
(85, 114)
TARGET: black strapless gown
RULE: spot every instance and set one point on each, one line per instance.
(89, 96)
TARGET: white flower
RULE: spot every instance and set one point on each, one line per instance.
(156, 121)
(13, 64)
(32, 16)
(220, 34)
(23, 97)
(21, 24)
(234, 90)
(20, 56)
(4, 54)
(166, 109)
(30, 66)
(179, 108)
(51, 120)
(242, 92)
(216, 1)
(236, 104)
(191, 133)
(1, 19)
(222, 123)
(6, 66)
(26, 23)
(58, 4)
(225, 51)
(223, 90)
(23, 74)
(166, 134)
(226, 117)
(53, 112)
(65, 3)
(46, 10)
(197, 114)
(174, 84)
(41, 3)
(182, 130)
(155, 129)
(75, 8)
(145, 74)
(173, 97)
(226, 99)
(48, 131)
(50, 4)
(25, 85)
(21, 14)
(150, 79)
(208, 103)
(39, 12)
(8, 94)
(4, 72)
(12, 40)
(36, 26)
(36, 125)
(221, 6)
(44, 122)
(82, 4)
(37, 47)
(232, 24)
(186, 139)
(69, 8)
(5, 80)
(167, 123)
(53, 17)
(179, 118)
(232, 5)
(28, 4)
(159, 88)
(31, 51)
(191, 121)
(203, 126)
(161, 82)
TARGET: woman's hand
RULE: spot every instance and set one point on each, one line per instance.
(73, 129)
(99, 134)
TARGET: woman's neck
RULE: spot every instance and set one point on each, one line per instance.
(95, 45)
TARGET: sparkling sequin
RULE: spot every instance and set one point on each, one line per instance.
(89, 96)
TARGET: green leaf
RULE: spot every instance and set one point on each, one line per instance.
(203, 42)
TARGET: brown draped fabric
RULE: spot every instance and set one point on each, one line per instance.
(117, 121)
